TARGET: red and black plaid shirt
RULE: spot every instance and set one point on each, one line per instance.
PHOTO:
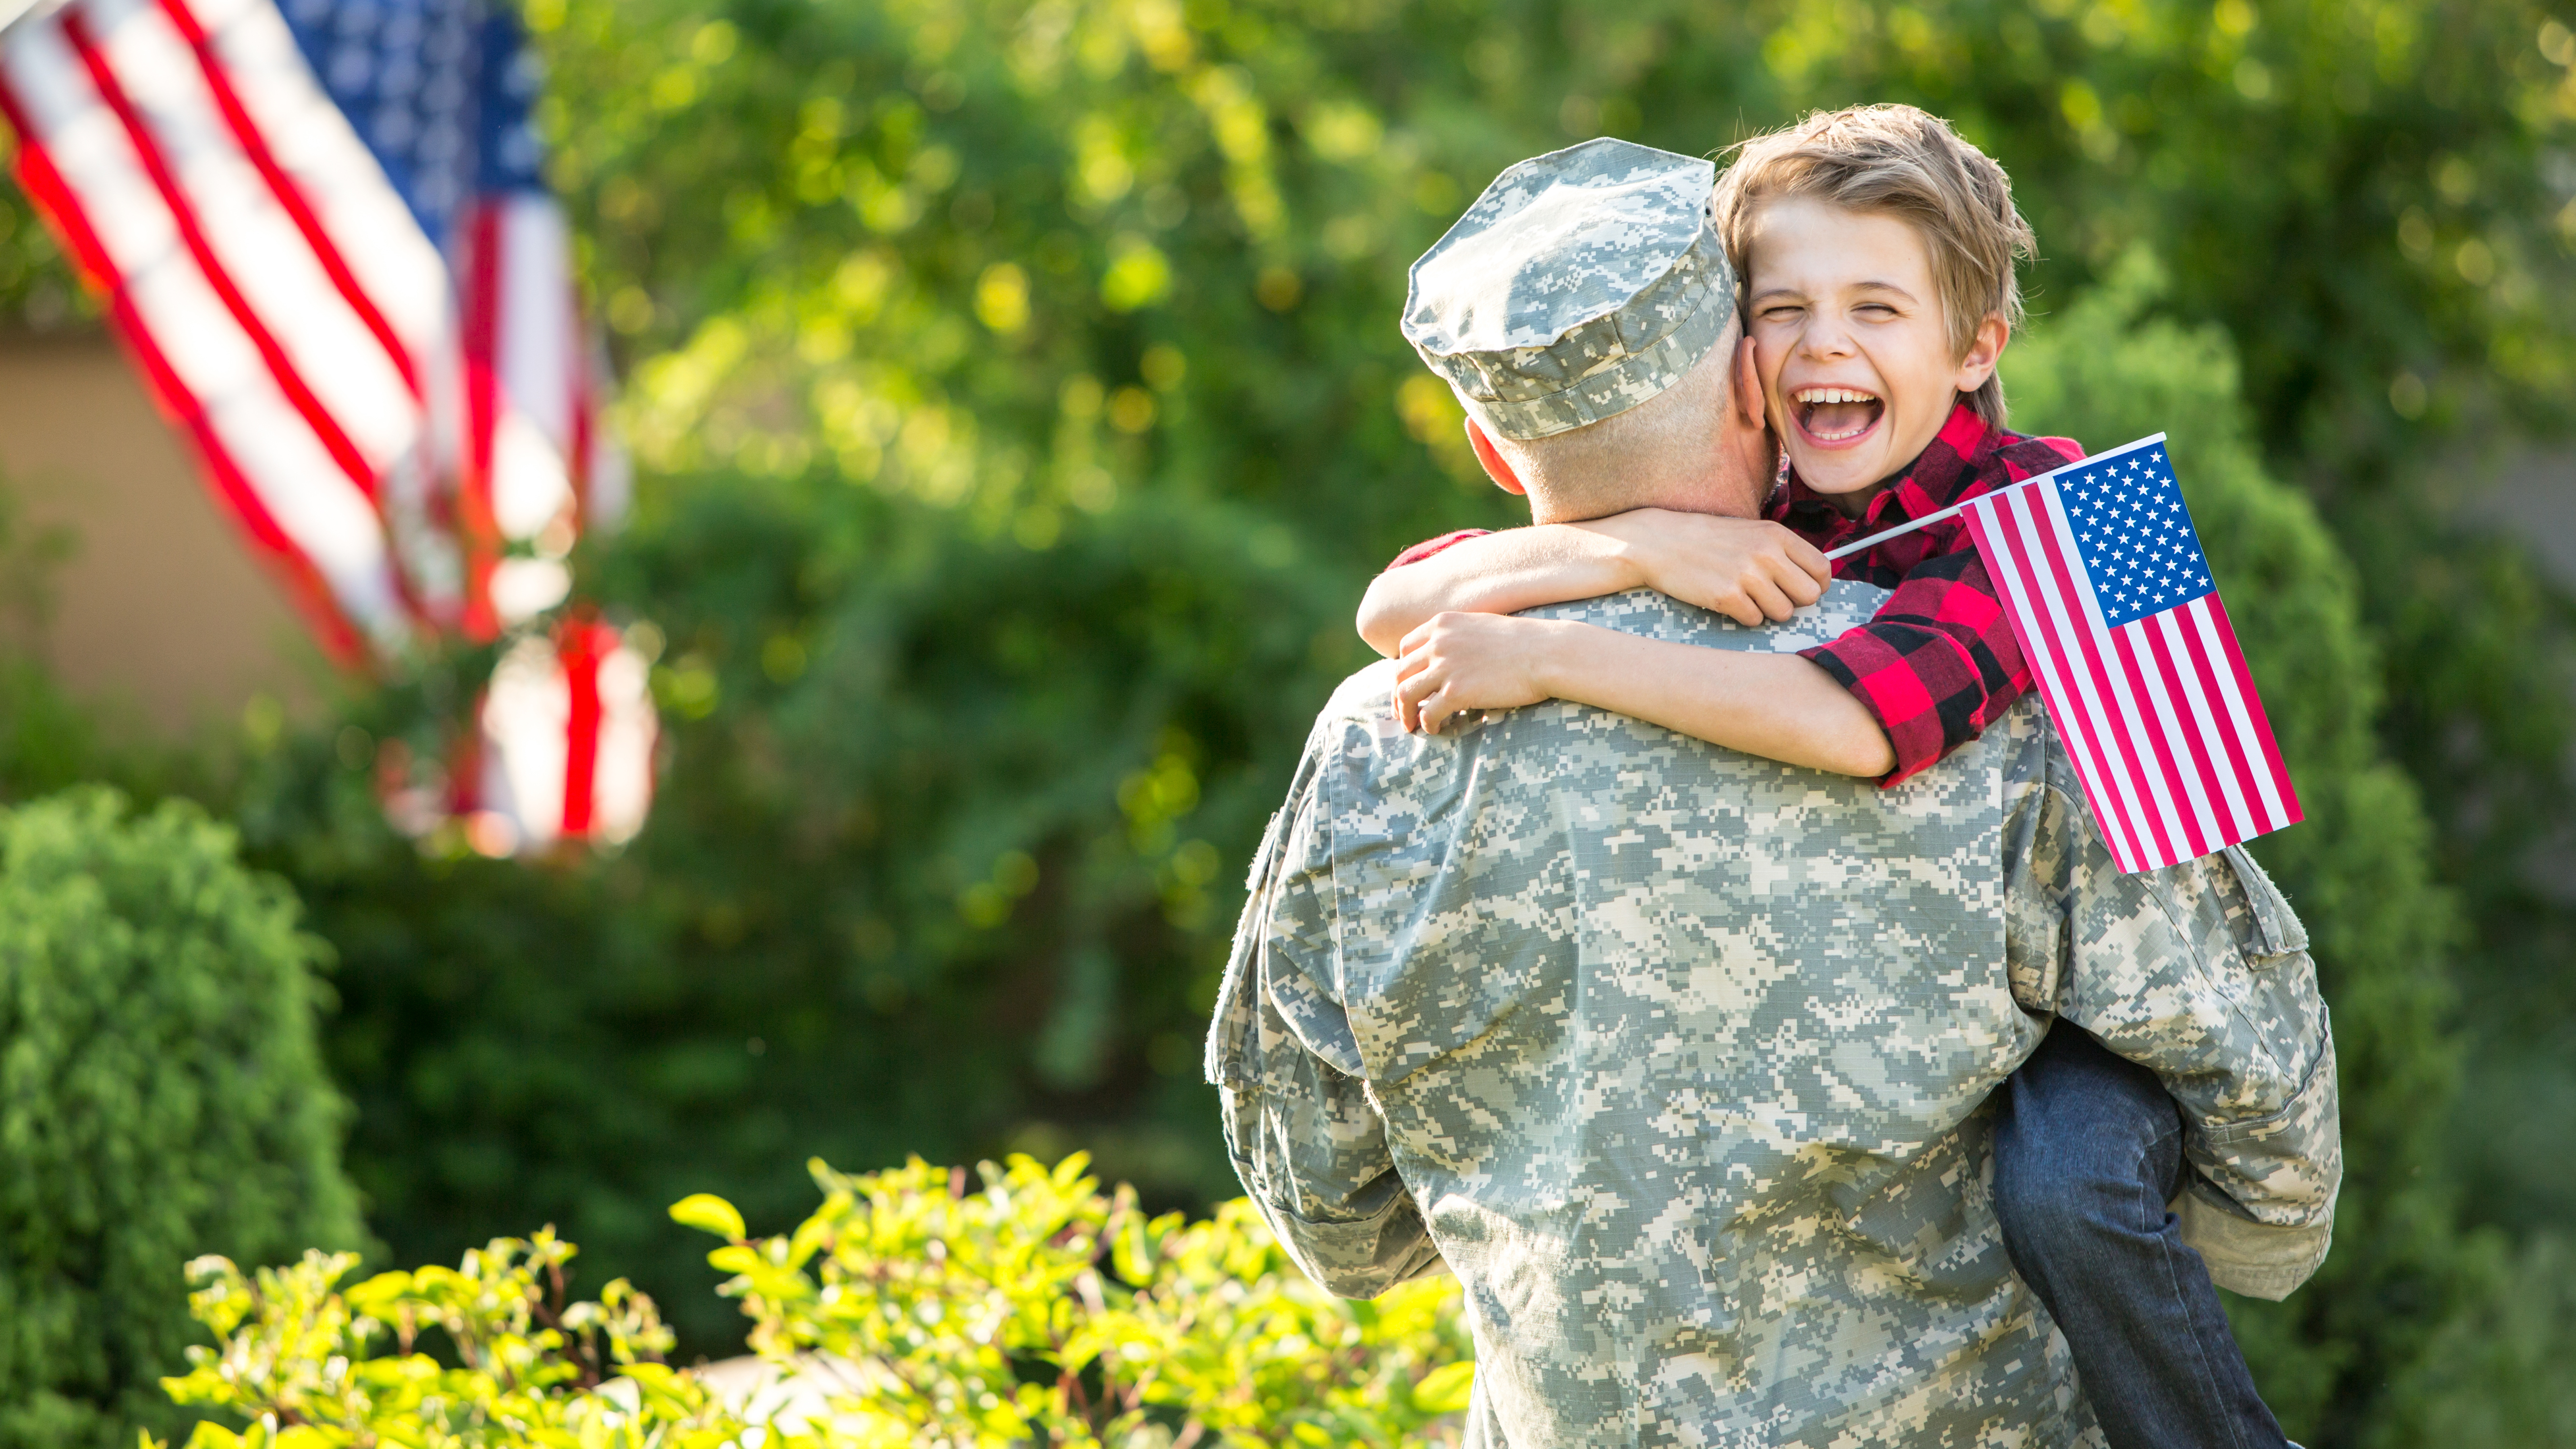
(1938, 662)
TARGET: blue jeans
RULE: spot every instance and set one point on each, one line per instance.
(2088, 1150)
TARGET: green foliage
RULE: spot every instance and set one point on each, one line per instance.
(301, 1360)
(956, 882)
(1038, 1311)
(2496, 1378)
(37, 288)
(161, 1095)
(1031, 1311)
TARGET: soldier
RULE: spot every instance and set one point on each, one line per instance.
(1678, 1057)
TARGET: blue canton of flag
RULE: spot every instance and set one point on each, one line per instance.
(2134, 535)
(439, 90)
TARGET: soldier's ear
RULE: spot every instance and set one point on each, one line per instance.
(1748, 385)
(1496, 467)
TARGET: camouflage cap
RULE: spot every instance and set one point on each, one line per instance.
(1582, 283)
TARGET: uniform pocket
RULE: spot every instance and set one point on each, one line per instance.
(2258, 915)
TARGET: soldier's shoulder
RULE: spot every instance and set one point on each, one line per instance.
(1845, 606)
(1364, 697)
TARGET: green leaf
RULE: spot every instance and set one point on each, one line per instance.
(1446, 1389)
(1135, 1263)
(709, 1213)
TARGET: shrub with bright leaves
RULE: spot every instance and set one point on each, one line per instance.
(1030, 1310)
(161, 1096)
(311, 1364)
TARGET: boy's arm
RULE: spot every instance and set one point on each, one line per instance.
(1779, 706)
(1746, 569)
(1497, 573)
(1936, 664)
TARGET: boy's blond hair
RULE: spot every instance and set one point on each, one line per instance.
(1906, 163)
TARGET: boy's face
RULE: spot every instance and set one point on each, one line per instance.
(1850, 339)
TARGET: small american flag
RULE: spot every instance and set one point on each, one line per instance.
(2109, 592)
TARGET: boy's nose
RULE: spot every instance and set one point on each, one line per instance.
(1825, 338)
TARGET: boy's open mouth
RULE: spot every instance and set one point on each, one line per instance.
(1836, 414)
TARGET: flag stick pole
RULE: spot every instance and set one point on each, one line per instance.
(1955, 509)
(1926, 521)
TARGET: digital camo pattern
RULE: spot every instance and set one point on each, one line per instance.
(1676, 1057)
(1580, 284)
(2238, 1035)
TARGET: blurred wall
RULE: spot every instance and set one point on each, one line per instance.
(162, 607)
(2536, 499)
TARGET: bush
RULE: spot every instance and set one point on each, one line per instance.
(1032, 1311)
(161, 1096)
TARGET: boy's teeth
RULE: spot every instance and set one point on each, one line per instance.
(1837, 414)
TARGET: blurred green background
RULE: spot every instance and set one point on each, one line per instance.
(1019, 411)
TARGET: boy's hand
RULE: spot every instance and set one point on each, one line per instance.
(1748, 569)
(1459, 663)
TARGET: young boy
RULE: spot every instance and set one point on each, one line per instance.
(1877, 255)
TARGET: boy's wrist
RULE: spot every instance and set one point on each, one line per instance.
(1555, 655)
(1627, 546)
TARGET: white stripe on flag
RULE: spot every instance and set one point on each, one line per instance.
(536, 342)
(533, 362)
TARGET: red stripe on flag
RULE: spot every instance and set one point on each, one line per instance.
(2001, 520)
(578, 455)
(147, 149)
(580, 653)
(304, 583)
(254, 145)
(481, 333)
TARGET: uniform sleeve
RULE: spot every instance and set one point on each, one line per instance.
(2200, 973)
(1936, 664)
(1304, 1138)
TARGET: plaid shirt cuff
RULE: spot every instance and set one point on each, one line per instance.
(1430, 546)
(1918, 683)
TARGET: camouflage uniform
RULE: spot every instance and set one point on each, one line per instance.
(1678, 1057)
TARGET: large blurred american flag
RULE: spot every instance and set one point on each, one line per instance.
(322, 234)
